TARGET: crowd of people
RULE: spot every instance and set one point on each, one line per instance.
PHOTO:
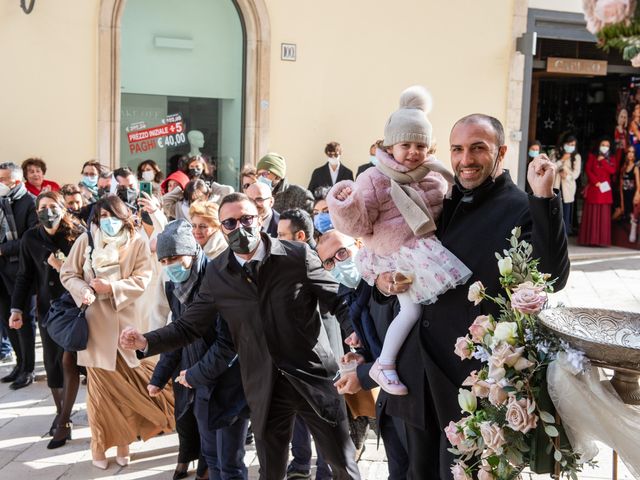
(274, 313)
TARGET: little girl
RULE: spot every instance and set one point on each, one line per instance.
(394, 207)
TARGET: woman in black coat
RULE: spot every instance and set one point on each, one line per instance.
(43, 249)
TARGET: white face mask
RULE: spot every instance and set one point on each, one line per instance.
(604, 150)
(4, 190)
(334, 160)
(569, 149)
(148, 175)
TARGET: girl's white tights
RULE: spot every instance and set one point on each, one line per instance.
(398, 332)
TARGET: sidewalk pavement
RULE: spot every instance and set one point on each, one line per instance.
(605, 278)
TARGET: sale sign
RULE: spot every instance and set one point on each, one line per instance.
(170, 133)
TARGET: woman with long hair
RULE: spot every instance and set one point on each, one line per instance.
(629, 182)
(42, 251)
(109, 278)
(569, 164)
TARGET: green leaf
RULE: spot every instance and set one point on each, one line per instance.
(546, 417)
(532, 408)
(551, 430)
(557, 455)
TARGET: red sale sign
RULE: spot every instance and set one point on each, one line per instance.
(170, 133)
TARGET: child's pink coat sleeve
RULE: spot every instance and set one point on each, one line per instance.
(356, 215)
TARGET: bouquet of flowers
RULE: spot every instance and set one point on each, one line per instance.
(502, 405)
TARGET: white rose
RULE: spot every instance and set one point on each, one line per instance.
(505, 266)
(467, 401)
(506, 332)
(476, 292)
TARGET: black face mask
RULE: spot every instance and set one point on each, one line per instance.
(103, 192)
(243, 240)
(50, 218)
(128, 196)
(195, 172)
(146, 218)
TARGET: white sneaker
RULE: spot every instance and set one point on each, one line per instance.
(633, 234)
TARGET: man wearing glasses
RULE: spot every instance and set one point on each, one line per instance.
(268, 292)
(261, 196)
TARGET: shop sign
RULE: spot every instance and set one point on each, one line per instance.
(576, 66)
(169, 134)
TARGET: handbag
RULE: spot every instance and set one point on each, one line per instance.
(363, 403)
(65, 322)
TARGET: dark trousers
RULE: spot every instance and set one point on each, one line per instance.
(23, 339)
(188, 436)
(222, 448)
(301, 451)
(52, 358)
(5, 345)
(332, 441)
(394, 437)
(567, 210)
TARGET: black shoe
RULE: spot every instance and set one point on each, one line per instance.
(23, 380)
(12, 376)
(293, 472)
(59, 443)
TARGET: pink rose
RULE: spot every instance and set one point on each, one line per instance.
(635, 61)
(518, 416)
(459, 472)
(499, 355)
(516, 360)
(479, 388)
(612, 11)
(485, 474)
(497, 395)
(493, 436)
(528, 299)
(476, 292)
(480, 327)
(454, 436)
(464, 347)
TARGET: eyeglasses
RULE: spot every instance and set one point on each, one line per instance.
(245, 221)
(202, 226)
(264, 174)
(341, 255)
(261, 200)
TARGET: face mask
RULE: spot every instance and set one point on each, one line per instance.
(322, 222)
(111, 226)
(49, 218)
(533, 153)
(90, 180)
(373, 159)
(146, 218)
(243, 240)
(177, 273)
(266, 181)
(103, 192)
(604, 150)
(4, 190)
(346, 273)
(195, 172)
(334, 160)
(148, 176)
(128, 196)
(569, 149)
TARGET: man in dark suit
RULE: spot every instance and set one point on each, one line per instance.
(372, 158)
(260, 194)
(476, 221)
(268, 292)
(332, 171)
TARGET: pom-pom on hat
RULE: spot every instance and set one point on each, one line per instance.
(410, 123)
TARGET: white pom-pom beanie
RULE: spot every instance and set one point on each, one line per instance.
(410, 123)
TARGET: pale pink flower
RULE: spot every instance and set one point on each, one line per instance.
(497, 395)
(484, 474)
(464, 347)
(611, 11)
(459, 472)
(454, 436)
(635, 61)
(480, 388)
(529, 285)
(476, 292)
(480, 327)
(528, 300)
(499, 355)
(493, 436)
(518, 416)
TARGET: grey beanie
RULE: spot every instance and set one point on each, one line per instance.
(176, 239)
(410, 123)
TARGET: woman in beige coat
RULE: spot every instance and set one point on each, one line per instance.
(110, 278)
(569, 165)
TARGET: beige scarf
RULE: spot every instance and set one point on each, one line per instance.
(407, 200)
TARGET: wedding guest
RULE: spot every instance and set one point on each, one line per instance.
(569, 165)
(595, 226)
(205, 226)
(332, 171)
(34, 170)
(149, 171)
(110, 281)
(91, 171)
(43, 249)
(248, 176)
(629, 192)
(372, 158)
(272, 170)
(199, 168)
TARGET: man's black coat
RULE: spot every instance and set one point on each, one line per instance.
(321, 176)
(275, 326)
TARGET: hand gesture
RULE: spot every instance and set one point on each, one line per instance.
(88, 297)
(153, 390)
(350, 357)
(353, 341)
(182, 380)
(100, 285)
(15, 320)
(54, 262)
(343, 193)
(132, 339)
(393, 283)
(541, 175)
(348, 383)
(147, 203)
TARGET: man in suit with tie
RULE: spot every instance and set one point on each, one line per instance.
(332, 171)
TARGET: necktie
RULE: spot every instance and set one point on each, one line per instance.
(251, 270)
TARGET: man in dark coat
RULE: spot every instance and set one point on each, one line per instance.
(332, 171)
(271, 170)
(17, 215)
(477, 220)
(261, 196)
(268, 292)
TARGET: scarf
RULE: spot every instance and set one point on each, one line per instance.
(183, 290)
(411, 206)
(8, 229)
(106, 249)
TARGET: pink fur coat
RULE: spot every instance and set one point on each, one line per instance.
(370, 213)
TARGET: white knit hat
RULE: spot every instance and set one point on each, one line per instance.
(410, 123)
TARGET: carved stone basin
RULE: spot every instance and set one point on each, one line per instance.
(610, 339)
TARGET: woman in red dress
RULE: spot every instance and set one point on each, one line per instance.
(595, 227)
